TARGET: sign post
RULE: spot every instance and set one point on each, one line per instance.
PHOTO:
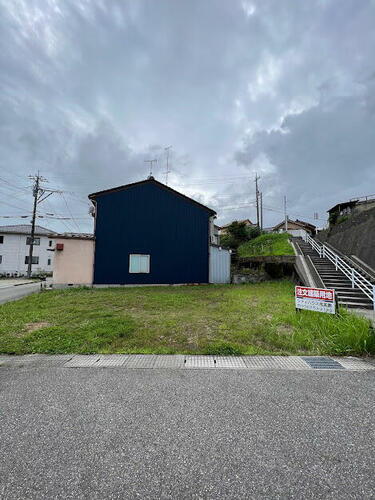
(315, 299)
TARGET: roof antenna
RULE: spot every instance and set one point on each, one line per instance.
(151, 162)
(167, 171)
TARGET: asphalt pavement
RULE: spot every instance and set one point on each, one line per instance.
(84, 433)
(14, 292)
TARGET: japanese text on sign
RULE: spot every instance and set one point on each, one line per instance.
(315, 299)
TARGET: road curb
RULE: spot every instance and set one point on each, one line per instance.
(190, 362)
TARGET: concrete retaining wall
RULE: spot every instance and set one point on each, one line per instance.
(356, 236)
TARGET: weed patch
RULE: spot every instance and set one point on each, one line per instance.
(218, 319)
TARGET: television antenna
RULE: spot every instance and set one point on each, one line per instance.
(167, 171)
(154, 160)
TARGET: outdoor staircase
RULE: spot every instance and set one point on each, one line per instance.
(347, 296)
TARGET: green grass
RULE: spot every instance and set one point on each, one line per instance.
(267, 245)
(222, 319)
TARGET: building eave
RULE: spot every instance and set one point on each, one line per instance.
(93, 196)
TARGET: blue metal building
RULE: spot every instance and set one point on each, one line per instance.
(148, 233)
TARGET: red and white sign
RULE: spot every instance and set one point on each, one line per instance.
(315, 299)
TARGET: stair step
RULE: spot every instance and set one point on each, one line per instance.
(338, 279)
(331, 273)
(356, 305)
(336, 282)
(348, 289)
(350, 298)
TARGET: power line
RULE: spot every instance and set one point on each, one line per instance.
(11, 205)
(14, 186)
(67, 206)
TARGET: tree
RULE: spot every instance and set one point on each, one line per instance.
(238, 233)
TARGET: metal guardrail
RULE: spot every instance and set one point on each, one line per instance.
(369, 197)
(356, 278)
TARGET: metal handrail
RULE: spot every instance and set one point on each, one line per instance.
(357, 279)
(352, 263)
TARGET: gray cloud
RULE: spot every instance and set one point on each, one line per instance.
(90, 89)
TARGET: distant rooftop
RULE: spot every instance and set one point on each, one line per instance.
(26, 229)
(78, 236)
(361, 200)
(246, 221)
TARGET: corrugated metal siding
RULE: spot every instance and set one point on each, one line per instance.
(147, 219)
(219, 265)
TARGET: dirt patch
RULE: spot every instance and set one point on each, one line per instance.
(267, 317)
(285, 329)
(31, 327)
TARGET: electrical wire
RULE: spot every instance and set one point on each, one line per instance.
(67, 206)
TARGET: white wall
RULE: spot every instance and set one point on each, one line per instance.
(295, 232)
(14, 250)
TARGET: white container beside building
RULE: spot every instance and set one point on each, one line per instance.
(219, 265)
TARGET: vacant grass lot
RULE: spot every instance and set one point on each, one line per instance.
(223, 319)
(267, 245)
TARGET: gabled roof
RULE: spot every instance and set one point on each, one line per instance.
(247, 221)
(26, 229)
(150, 180)
(297, 222)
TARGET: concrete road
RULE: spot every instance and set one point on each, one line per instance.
(11, 292)
(76, 433)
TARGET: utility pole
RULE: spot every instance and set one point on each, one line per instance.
(36, 179)
(167, 170)
(261, 211)
(38, 194)
(151, 162)
(285, 215)
(257, 197)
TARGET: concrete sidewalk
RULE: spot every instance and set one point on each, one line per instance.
(186, 362)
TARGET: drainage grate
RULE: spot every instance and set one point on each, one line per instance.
(199, 362)
(233, 362)
(82, 361)
(274, 363)
(322, 363)
(140, 361)
(169, 361)
(109, 360)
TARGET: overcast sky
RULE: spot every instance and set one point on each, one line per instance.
(91, 89)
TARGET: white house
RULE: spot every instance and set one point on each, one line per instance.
(295, 228)
(14, 250)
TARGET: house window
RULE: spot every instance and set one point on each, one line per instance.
(35, 260)
(50, 243)
(36, 241)
(1, 239)
(48, 262)
(1, 259)
(139, 263)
